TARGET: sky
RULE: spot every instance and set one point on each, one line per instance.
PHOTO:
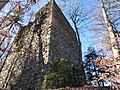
(86, 35)
(85, 39)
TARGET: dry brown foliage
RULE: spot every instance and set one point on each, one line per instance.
(108, 69)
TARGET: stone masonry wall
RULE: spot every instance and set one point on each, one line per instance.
(49, 37)
(24, 64)
(63, 42)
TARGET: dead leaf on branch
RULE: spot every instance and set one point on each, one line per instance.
(5, 33)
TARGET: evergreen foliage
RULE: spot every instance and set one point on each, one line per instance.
(62, 74)
(91, 68)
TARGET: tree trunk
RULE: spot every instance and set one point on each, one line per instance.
(80, 52)
(3, 3)
(115, 46)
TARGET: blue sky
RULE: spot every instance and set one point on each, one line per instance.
(87, 36)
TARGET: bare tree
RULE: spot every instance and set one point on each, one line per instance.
(3, 3)
(113, 38)
(116, 1)
(107, 22)
(78, 15)
(10, 23)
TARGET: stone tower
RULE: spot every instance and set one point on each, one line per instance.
(49, 37)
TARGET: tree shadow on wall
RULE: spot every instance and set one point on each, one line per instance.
(30, 77)
(26, 74)
(31, 74)
(26, 71)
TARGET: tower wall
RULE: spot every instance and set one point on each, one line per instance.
(49, 37)
(63, 42)
(24, 65)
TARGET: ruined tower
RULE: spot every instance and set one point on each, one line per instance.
(47, 38)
